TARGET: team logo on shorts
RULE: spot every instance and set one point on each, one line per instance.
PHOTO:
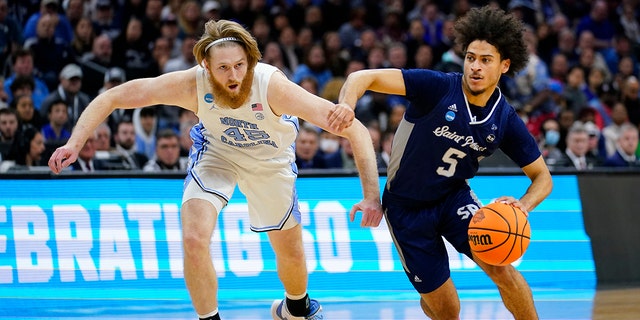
(450, 115)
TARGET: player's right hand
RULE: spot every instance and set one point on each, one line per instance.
(371, 212)
(340, 117)
(62, 158)
(512, 201)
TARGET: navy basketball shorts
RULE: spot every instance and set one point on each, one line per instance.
(418, 235)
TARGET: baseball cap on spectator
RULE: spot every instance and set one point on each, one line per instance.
(115, 74)
(71, 71)
(210, 5)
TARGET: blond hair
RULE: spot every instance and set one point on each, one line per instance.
(214, 30)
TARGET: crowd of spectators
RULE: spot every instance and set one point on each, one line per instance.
(578, 95)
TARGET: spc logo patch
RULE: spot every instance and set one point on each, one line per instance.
(450, 115)
(478, 216)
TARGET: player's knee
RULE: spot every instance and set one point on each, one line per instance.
(194, 241)
(501, 275)
(294, 253)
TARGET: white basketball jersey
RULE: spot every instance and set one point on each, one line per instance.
(252, 129)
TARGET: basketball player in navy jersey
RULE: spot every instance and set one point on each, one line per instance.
(453, 121)
(245, 137)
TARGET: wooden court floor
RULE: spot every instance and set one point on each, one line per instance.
(620, 304)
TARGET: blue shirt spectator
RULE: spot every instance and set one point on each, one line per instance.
(315, 67)
(63, 28)
(22, 61)
(598, 23)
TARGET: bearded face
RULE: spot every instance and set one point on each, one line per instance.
(225, 94)
(233, 93)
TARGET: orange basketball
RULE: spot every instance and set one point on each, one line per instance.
(499, 234)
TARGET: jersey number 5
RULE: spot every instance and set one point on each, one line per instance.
(451, 158)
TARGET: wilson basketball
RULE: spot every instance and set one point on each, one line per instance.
(499, 234)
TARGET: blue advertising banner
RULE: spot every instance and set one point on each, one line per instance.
(118, 236)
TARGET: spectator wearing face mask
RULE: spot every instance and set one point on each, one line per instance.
(330, 149)
(549, 138)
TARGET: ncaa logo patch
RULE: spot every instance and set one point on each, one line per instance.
(449, 116)
(208, 98)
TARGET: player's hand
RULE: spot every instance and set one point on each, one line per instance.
(62, 158)
(513, 202)
(340, 117)
(371, 212)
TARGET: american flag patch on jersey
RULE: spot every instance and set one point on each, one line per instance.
(256, 107)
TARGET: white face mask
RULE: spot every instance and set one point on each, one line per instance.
(329, 145)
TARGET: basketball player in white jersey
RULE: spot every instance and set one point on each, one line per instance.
(248, 124)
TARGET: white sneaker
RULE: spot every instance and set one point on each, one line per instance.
(279, 311)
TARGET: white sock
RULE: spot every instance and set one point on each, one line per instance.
(210, 314)
(295, 297)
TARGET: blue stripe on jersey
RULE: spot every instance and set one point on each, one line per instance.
(438, 146)
(296, 125)
(199, 147)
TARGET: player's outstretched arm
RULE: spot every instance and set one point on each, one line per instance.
(286, 97)
(379, 80)
(389, 81)
(176, 88)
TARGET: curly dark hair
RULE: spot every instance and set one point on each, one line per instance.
(503, 31)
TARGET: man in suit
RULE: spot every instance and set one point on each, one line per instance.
(626, 145)
(577, 155)
(86, 158)
(124, 138)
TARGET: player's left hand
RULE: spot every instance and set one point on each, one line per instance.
(513, 202)
(371, 212)
(340, 117)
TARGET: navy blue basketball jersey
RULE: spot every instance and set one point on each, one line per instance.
(441, 139)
